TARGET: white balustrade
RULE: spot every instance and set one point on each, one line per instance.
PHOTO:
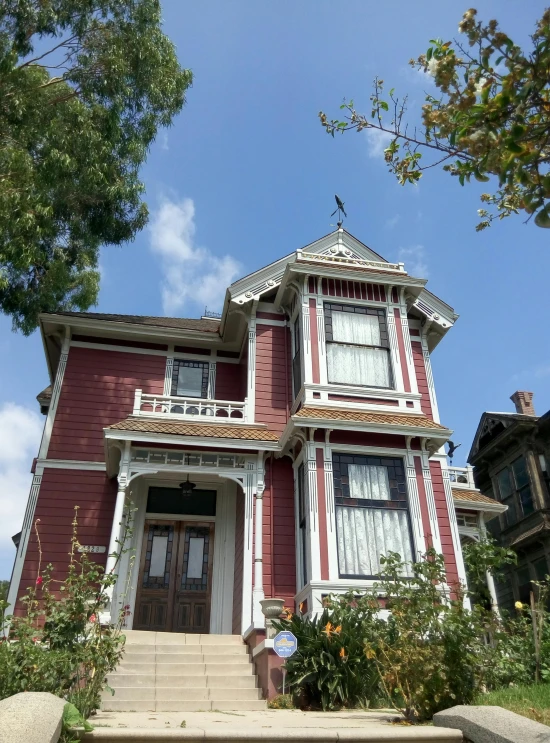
(349, 260)
(462, 477)
(174, 407)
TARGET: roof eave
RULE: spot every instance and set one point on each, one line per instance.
(182, 440)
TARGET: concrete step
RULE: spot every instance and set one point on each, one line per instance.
(146, 681)
(185, 669)
(140, 637)
(135, 650)
(177, 705)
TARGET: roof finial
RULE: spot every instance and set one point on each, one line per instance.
(339, 208)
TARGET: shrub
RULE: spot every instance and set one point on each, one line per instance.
(58, 645)
(330, 669)
(433, 653)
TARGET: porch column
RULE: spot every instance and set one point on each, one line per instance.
(258, 594)
(117, 527)
(488, 576)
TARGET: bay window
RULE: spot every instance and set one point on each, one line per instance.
(358, 351)
(372, 514)
(514, 491)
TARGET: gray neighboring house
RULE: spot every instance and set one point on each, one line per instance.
(511, 459)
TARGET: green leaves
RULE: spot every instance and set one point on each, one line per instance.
(73, 144)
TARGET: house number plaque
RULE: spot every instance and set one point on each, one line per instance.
(92, 548)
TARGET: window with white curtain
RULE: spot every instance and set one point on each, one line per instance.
(372, 513)
(358, 350)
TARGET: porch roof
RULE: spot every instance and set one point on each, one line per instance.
(474, 497)
(367, 416)
(183, 428)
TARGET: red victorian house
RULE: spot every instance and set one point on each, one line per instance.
(277, 451)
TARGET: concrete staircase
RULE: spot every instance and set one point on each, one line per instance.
(174, 672)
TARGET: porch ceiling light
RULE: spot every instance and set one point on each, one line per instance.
(187, 487)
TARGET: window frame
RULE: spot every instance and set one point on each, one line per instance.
(513, 498)
(193, 364)
(345, 500)
(381, 314)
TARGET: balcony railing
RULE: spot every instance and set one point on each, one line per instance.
(462, 477)
(185, 408)
(349, 260)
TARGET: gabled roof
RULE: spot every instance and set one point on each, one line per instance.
(495, 427)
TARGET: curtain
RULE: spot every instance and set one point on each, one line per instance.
(365, 534)
(349, 327)
(369, 482)
(358, 365)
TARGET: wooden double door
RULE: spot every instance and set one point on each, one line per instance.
(175, 577)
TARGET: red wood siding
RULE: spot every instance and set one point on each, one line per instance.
(322, 506)
(353, 290)
(230, 381)
(401, 347)
(428, 536)
(98, 390)
(368, 439)
(279, 544)
(421, 379)
(60, 491)
(444, 524)
(239, 552)
(273, 392)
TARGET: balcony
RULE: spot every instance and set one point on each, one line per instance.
(171, 407)
(462, 477)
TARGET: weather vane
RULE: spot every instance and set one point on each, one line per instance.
(340, 209)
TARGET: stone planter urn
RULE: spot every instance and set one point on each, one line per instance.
(271, 609)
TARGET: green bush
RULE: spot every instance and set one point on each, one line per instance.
(330, 669)
(58, 645)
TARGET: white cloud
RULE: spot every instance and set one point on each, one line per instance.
(20, 432)
(164, 141)
(190, 273)
(377, 141)
(390, 223)
(414, 258)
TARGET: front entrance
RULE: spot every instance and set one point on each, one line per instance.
(175, 577)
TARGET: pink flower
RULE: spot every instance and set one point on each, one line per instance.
(39, 580)
(92, 618)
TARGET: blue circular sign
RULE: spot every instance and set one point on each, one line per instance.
(285, 644)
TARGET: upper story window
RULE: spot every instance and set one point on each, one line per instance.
(190, 378)
(514, 488)
(358, 351)
(372, 513)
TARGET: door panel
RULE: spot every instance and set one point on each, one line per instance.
(194, 589)
(175, 578)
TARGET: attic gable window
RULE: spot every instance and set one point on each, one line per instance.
(190, 378)
(358, 349)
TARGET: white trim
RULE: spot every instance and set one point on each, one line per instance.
(307, 360)
(313, 542)
(266, 644)
(211, 394)
(430, 378)
(397, 371)
(442, 459)
(56, 392)
(332, 545)
(248, 527)
(258, 590)
(430, 499)
(414, 504)
(250, 413)
(24, 538)
(373, 450)
(71, 464)
(174, 439)
(119, 349)
(407, 344)
(168, 373)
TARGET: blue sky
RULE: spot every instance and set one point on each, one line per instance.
(246, 174)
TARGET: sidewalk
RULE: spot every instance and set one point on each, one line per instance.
(268, 725)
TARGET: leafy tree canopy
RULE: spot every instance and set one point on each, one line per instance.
(490, 117)
(84, 87)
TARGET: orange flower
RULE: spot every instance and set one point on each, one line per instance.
(342, 652)
(338, 629)
(328, 628)
(301, 607)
